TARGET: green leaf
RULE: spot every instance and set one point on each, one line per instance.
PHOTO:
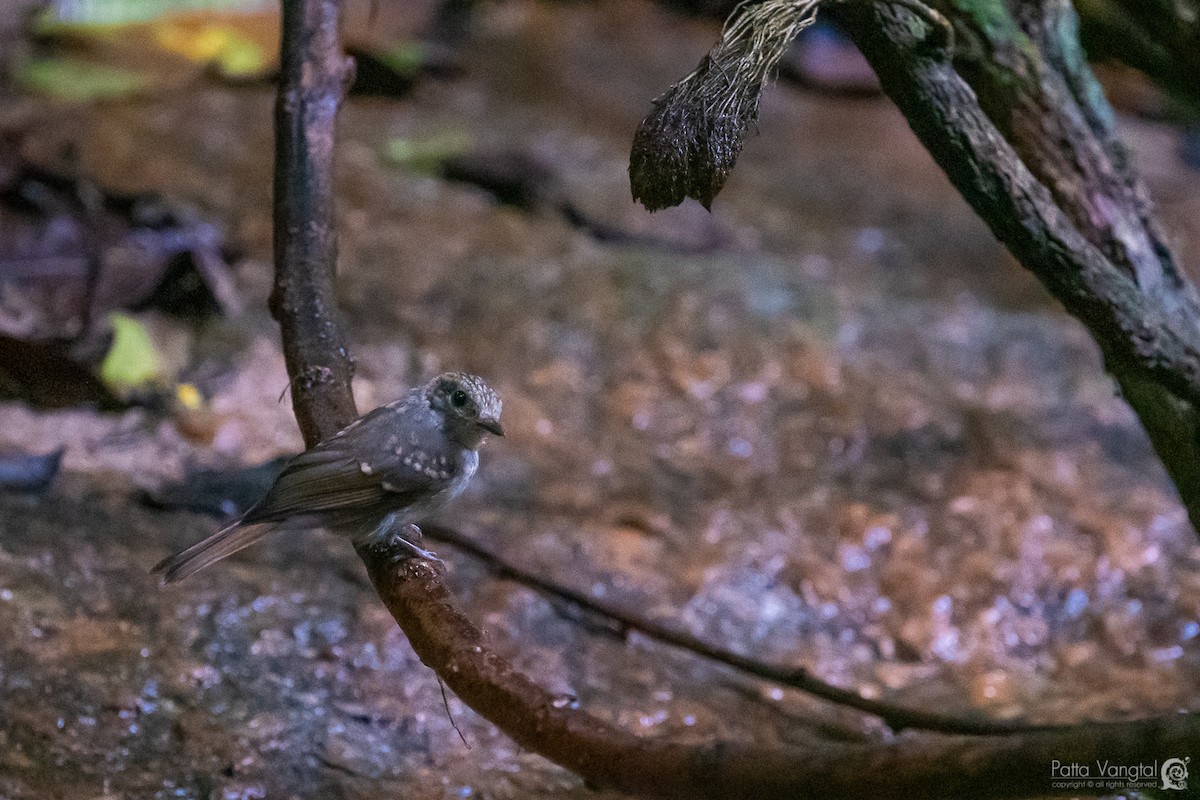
(405, 59)
(428, 152)
(77, 80)
(242, 58)
(133, 360)
(74, 14)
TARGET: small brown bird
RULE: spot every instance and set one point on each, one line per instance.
(371, 479)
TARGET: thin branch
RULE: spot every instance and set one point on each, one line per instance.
(313, 78)
(606, 756)
(898, 718)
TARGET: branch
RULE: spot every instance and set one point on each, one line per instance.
(1159, 37)
(607, 757)
(412, 589)
(313, 78)
(1003, 98)
(689, 143)
(1018, 123)
(897, 718)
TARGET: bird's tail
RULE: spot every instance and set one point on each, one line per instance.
(225, 542)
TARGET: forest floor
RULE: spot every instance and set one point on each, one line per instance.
(830, 424)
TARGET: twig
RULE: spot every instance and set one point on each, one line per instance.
(896, 717)
(449, 713)
(608, 757)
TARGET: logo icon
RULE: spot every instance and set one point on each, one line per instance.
(1175, 773)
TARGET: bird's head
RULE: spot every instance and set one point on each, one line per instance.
(469, 406)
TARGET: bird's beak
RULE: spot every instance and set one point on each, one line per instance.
(491, 426)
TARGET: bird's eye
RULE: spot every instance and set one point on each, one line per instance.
(458, 399)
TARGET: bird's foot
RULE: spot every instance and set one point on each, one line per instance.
(405, 539)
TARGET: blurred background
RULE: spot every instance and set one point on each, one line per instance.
(831, 424)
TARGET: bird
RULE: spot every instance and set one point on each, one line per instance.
(372, 479)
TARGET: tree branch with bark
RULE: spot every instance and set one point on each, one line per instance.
(1003, 98)
(1021, 127)
(314, 76)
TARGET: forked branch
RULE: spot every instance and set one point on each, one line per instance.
(314, 73)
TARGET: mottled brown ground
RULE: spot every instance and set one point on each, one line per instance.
(831, 424)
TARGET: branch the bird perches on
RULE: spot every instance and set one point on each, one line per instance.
(313, 80)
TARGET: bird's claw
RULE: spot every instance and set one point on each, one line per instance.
(405, 540)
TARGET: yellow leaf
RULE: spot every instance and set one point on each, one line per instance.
(132, 360)
(210, 42)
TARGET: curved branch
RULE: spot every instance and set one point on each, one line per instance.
(896, 717)
(606, 756)
(1026, 137)
(1015, 765)
(312, 81)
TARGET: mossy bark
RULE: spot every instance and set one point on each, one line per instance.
(1010, 109)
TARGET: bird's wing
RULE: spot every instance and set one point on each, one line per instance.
(330, 480)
